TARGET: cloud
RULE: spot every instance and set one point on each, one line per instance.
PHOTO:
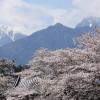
(23, 17)
(68, 18)
(88, 7)
(27, 18)
(81, 9)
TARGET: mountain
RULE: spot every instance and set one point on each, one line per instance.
(54, 37)
(4, 39)
(7, 35)
(19, 36)
(89, 22)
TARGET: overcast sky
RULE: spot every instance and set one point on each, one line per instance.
(28, 16)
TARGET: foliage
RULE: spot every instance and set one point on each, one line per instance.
(65, 74)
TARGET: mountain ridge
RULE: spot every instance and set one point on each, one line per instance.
(53, 37)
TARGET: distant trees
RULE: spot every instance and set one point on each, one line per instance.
(19, 68)
(7, 67)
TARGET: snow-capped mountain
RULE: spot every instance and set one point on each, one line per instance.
(7, 35)
(89, 22)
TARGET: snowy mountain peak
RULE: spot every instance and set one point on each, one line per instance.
(6, 31)
(89, 22)
(7, 35)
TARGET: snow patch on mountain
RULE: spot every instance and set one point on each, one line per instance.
(89, 22)
(6, 31)
(8, 35)
(9, 32)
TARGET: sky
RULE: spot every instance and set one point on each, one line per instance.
(28, 16)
